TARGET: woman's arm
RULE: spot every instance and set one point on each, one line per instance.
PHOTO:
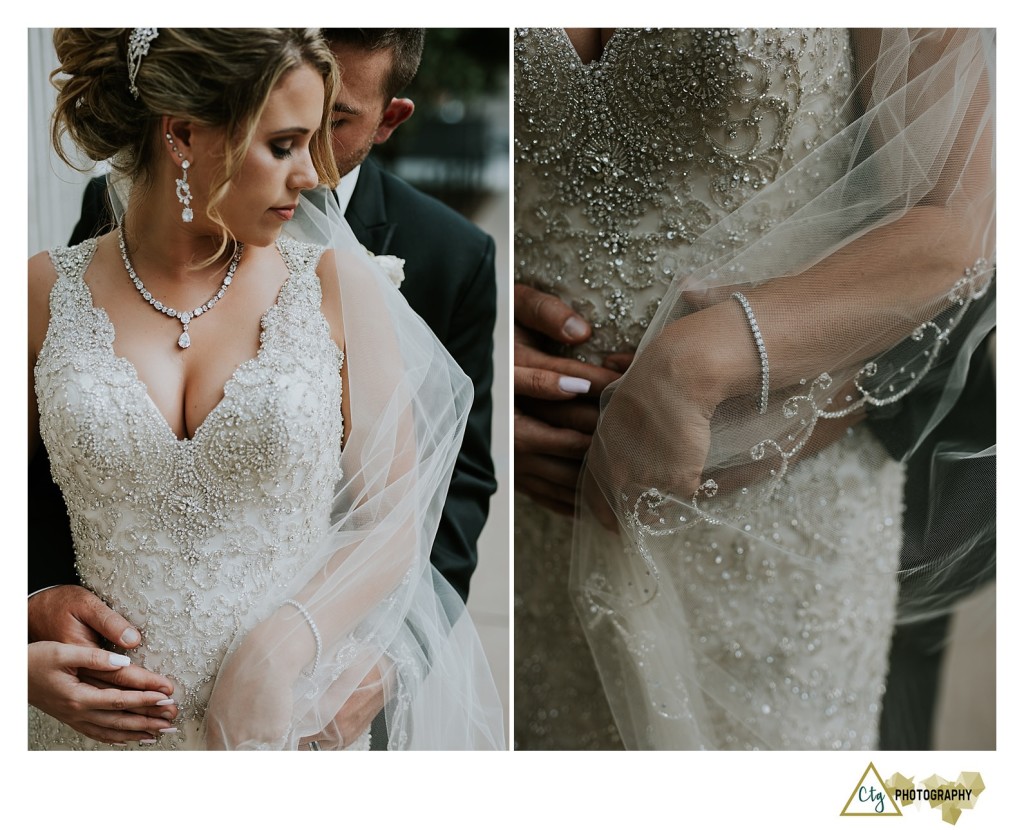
(899, 273)
(855, 304)
(41, 277)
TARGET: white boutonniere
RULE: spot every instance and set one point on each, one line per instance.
(392, 266)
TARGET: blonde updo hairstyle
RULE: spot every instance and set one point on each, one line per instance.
(216, 77)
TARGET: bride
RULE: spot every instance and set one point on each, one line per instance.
(252, 432)
(792, 229)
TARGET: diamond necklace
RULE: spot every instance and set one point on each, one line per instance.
(184, 317)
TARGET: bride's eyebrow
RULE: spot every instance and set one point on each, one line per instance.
(290, 131)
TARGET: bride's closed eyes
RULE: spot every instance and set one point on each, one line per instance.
(283, 147)
(283, 142)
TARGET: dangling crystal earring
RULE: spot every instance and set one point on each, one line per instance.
(184, 194)
(182, 189)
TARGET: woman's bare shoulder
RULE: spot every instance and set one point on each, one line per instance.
(41, 274)
(41, 277)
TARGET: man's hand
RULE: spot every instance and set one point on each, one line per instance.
(556, 404)
(73, 615)
(361, 708)
(357, 713)
(550, 442)
(111, 714)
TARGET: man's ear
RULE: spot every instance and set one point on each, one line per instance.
(399, 110)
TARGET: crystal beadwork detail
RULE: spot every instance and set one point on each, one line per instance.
(622, 163)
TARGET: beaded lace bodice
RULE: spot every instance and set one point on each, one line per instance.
(181, 535)
(622, 163)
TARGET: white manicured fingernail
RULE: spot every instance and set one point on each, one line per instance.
(167, 702)
(574, 327)
(130, 637)
(119, 660)
(574, 385)
(116, 744)
(168, 730)
(148, 742)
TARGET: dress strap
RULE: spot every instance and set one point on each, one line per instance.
(70, 294)
(75, 325)
(71, 262)
(296, 317)
(301, 258)
(303, 283)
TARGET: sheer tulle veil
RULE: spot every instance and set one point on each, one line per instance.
(377, 604)
(911, 174)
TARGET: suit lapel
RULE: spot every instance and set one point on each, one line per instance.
(367, 211)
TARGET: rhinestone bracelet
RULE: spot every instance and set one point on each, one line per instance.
(762, 404)
(316, 632)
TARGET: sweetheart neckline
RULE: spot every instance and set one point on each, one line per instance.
(132, 371)
(144, 389)
(607, 51)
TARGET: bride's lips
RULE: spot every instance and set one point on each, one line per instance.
(285, 213)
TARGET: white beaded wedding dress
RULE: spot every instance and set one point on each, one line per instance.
(621, 165)
(227, 550)
(183, 536)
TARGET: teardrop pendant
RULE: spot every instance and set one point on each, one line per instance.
(184, 317)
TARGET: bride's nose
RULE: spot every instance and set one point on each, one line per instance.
(304, 176)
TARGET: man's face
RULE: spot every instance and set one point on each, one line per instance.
(360, 105)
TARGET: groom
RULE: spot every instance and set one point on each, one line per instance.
(449, 282)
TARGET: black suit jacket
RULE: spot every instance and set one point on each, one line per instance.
(449, 282)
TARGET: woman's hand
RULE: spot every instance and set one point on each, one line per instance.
(252, 701)
(57, 685)
(251, 707)
(656, 429)
(356, 715)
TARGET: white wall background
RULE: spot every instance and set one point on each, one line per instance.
(54, 189)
